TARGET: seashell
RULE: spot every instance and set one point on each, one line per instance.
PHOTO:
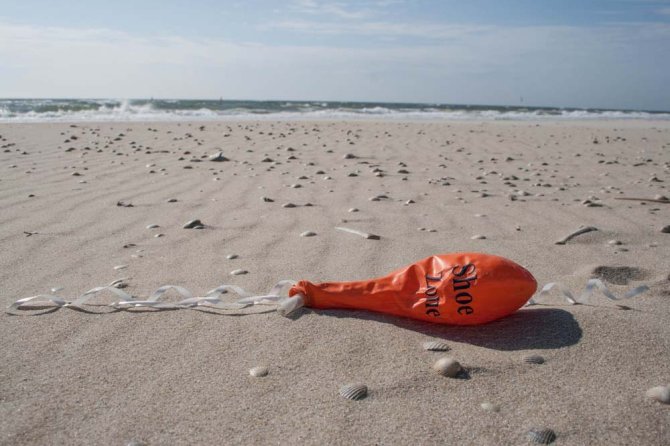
(490, 407)
(231, 256)
(354, 391)
(308, 234)
(193, 224)
(258, 372)
(533, 359)
(660, 394)
(218, 157)
(447, 367)
(542, 436)
(435, 346)
(118, 267)
(478, 237)
(152, 226)
(238, 272)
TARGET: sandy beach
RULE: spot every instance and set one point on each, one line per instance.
(78, 207)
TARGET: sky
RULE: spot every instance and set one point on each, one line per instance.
(565, 53)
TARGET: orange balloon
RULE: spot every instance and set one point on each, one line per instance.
(461, 289)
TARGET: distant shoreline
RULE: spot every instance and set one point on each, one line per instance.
(167, 110)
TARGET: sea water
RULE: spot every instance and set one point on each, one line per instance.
(46, 110)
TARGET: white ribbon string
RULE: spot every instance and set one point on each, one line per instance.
(211, 300)
(591, 285)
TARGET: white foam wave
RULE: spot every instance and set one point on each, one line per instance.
(127, 111)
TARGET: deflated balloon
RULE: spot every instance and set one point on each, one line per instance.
(461, 289)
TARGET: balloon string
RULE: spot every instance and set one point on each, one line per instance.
(211, 300)
(591, 286)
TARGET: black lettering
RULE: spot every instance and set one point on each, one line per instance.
(431, 291)
(463, 284)
(465, 270)
(466, 309)
(434, 279)
(463, 298)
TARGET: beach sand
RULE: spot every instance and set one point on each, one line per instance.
(182, 377)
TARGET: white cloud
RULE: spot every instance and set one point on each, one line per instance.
(337, 9)
(614, 66)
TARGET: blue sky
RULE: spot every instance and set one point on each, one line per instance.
(588, 53)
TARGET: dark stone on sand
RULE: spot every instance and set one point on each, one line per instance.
(665, 229)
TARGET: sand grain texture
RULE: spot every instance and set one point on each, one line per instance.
(182, 377)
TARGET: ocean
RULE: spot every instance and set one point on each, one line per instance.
(48, 110)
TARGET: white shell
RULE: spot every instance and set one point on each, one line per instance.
(447, 367)
(436, 346)
(490, 407)
(308, 234)
(354, 391)
(542, 436)
(152, 226)
(259, 371)
(660, 394)
(533, 359)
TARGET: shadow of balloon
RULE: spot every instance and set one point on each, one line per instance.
(530, 328)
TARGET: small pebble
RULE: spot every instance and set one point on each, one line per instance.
(258, 372)
(615, 242)
(231, 256)
(353, 210)
(478, 237)
(660, 394)
(447, 367)
(152, 226)
(118, 267)
(288, 205)
(665, 229)
(308, 234)
(489, 407)
(238, 272)
(56, 289)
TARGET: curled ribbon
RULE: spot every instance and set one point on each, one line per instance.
(211, 300)
(591, 285)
